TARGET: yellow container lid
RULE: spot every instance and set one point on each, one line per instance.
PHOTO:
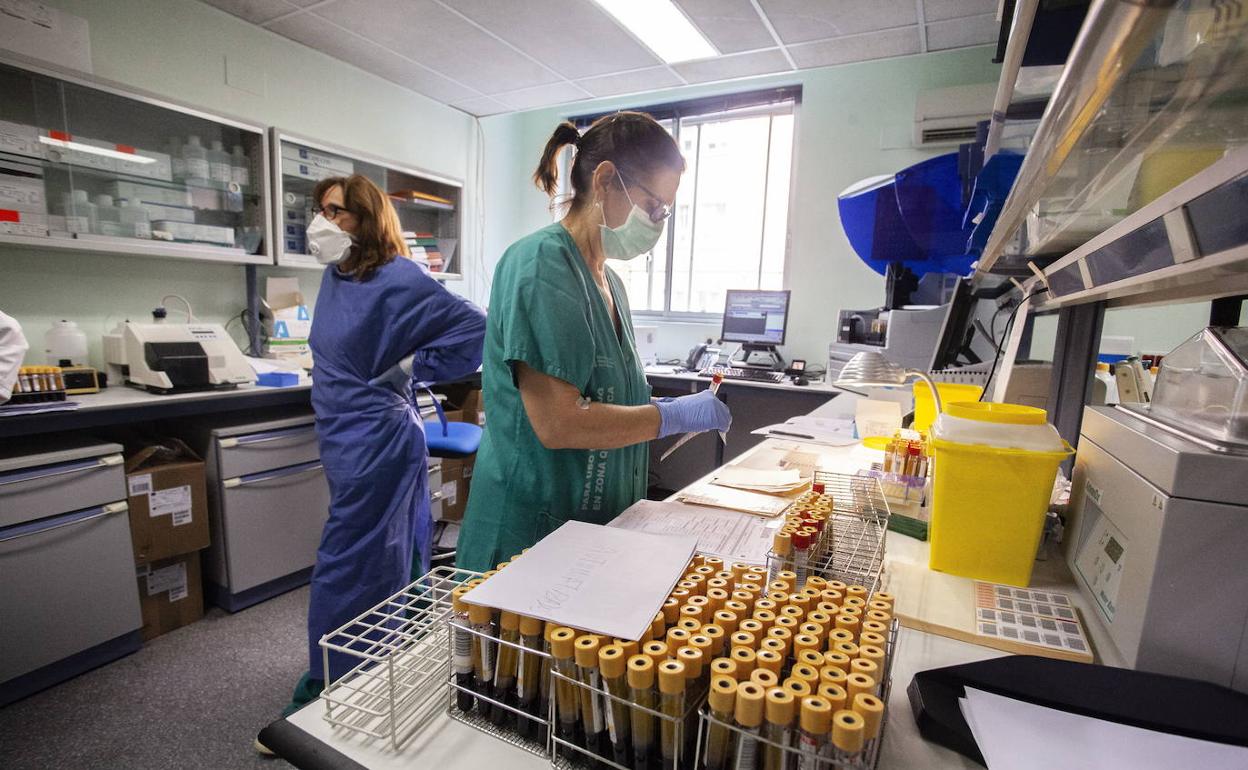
(641, 672)
(671, 677)
(723, 694)
(781, 704)
(612, 660)
(750, 704)
(1001, 414)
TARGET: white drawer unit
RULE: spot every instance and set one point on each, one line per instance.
(69, 600)
(435, 488)
(269, 501)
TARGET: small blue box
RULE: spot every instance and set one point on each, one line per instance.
(278, 379)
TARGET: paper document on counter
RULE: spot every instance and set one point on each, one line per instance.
(730, 535)
(818, 430)
(777, 481)
(1016, 735)
(734, 499)
(604, 580)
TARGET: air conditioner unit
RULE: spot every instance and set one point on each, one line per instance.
(948, 115)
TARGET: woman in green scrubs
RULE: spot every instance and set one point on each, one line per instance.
(569, 410)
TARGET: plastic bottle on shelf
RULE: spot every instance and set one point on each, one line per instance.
(1111, 383)
(105, 211)
(240, 170)
(77, 205)
(196, 159)
(136, 216)
(176, 161)
(65, 342)
(219, 169)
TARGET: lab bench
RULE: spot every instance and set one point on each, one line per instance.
(307, 741)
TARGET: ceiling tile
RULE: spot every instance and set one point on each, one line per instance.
(542, 96)
(575, 38)
(959, 33)
(733, 66)
(427, 32)
(731, 25)
(648, 79)
(481, 106)
(941, 10)
(874, 45)
(254, 11)
(799, 21)
(315, 33)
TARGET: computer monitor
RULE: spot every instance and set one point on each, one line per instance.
(756, 318)
(953, 346)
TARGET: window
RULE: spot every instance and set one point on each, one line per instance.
(729, 227)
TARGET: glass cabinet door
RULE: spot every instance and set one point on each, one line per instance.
(428, 207)
(89, 168)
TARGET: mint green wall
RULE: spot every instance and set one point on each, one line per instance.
(178, 49)
(849, 115)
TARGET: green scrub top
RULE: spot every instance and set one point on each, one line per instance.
(546, 312)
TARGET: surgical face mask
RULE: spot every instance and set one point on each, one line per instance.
(327, 241)
(635, 237)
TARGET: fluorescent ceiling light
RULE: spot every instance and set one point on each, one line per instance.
(661, 26)
(79, 146)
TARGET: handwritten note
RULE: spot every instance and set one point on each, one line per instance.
(603, 580)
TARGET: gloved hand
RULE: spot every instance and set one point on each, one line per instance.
(696, 413)
(397, 376)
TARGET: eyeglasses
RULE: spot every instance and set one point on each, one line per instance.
(329, 211)
(660, 211)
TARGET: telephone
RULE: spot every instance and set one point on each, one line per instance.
(701, 356)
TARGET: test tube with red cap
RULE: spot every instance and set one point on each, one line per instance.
(801, 555)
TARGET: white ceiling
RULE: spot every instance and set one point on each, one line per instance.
(492, 56)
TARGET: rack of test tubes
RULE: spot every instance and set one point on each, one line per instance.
(836, 531)
(585, 700)
(903, 473)
(37, 385)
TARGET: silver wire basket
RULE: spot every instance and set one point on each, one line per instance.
(859, 524)
(401, 657)
(792, 756)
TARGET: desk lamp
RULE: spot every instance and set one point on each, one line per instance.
(870, 369)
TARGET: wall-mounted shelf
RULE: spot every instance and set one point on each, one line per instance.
(90, 166)
(299, 162)
(1150, 97)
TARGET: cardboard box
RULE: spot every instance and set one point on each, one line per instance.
(187, 232)
(456, 475)
(473, 407)
(168, 501)
(21, 189)
(19, 139)
(171, 594)
(22, 223)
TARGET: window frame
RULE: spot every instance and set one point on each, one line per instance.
(709, 110)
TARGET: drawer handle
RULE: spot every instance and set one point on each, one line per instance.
(26, 530)
(64, 470)
(436, 496)
(294, 470)
(263, 438)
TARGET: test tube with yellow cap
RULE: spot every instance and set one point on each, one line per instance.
(593, 718)
(696, 677)
(461, 656)
(505, 670)
(483, 654)
(613, 664)
(716, 634)
(722, 702)
(816, 723)
(641, 692)
(656, 650)
(563, 648)
(781, 707)
(748, 715)
(781, 557)
(745, 658)
(848, 732)
(726, 667)
(672, 683)
(528, 673)
(871, 709)
(834, 694)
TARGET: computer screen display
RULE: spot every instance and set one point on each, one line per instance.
(756, 317)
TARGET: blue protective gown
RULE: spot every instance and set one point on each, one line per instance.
(372, 438)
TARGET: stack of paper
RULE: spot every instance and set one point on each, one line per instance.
(772, 482)
(734, 499)
(730, 535)
(818, 430)
(1016, 735)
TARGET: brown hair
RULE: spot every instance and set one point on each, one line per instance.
(633, 141)
(379, 236)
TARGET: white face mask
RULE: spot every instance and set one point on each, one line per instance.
(327, 241)
(635, 237)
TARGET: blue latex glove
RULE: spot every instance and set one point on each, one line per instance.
(692, 414)
(397, 376)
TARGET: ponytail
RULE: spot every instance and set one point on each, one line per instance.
(547, 175)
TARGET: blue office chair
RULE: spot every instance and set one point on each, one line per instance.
(447, 440)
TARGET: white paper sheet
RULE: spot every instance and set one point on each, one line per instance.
(734, 499)
(817, 430)
(1015, 735)
(769, 481)
(877, 418)
(605, 580)
(730, 535)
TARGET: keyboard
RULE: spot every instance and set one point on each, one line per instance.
(738, 373)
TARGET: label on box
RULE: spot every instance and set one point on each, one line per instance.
(175, 501)
(181, 517)
(139, 485)
(142, 570)
(171, 578)
(449, 493)
(179, 592)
